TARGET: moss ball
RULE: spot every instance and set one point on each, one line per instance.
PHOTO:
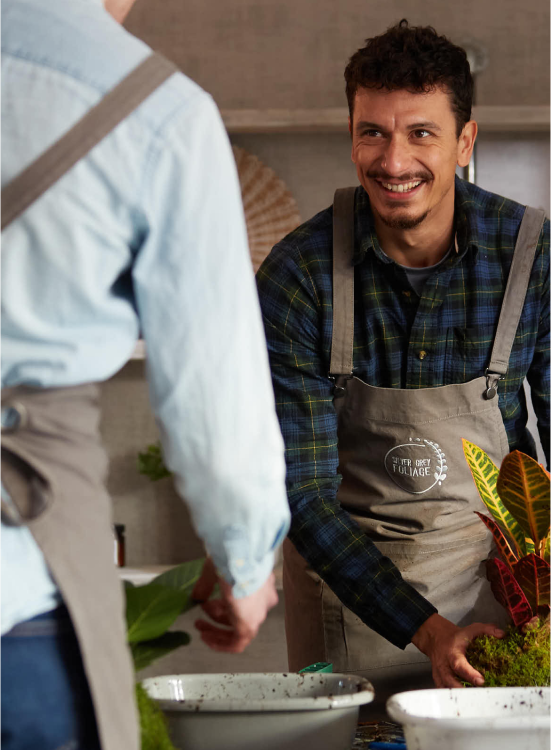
(517, 660)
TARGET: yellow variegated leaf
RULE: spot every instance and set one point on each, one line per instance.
(523, 486)
(485, 474)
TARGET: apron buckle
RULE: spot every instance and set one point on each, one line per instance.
(339, 388)
(492, 380)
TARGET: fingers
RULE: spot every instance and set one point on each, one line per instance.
(219, 639)
(217, 610)
(205, 585)
(483, 628)
(448, 680)
(463, 669)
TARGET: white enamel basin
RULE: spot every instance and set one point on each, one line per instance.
(474, 718)
(264, 711)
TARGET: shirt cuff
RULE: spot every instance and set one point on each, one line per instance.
(235, 563)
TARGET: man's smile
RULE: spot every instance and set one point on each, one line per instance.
(399, 190)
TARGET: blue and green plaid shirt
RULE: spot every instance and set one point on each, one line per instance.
(454, 322)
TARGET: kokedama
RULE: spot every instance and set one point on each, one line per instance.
(517, 496)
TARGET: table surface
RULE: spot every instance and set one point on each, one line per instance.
(381, 731)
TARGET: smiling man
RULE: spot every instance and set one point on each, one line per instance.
(381, 315)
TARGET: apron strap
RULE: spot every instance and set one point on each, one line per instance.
(342, 342)
(50, 166)
(515, 293)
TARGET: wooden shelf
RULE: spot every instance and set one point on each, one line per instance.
(522, 119)
(142, 574)
(491, 119)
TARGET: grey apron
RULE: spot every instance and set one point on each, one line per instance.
(53, 464)
(407, 485)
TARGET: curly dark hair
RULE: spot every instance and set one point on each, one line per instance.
(414, 58)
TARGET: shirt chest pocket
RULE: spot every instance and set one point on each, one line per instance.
(468, 352)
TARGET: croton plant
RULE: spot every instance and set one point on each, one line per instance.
(517, 496)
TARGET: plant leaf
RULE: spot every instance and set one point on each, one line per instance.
(523, 486)
(546, 548)
(502, 544)
(508, 592)
(151, 463)
(148, 651)
(485, 475)
(182, 578)
(532, 573)
(151, 610)
(530, 546)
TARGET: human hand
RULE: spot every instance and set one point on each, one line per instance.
(445, 644)
(242, 617)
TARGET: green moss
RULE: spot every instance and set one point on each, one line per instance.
(153, 727)
(515, 660)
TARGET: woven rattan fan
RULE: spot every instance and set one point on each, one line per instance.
(270, 209)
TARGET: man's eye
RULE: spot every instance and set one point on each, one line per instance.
(421, 133)
(372, 133)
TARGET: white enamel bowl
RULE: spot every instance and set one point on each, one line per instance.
(474, 718)
(312, 711)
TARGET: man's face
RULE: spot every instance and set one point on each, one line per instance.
(406, 150)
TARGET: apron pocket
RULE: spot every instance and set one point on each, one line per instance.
(28, 489)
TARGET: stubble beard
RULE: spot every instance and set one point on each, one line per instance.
(404, 221)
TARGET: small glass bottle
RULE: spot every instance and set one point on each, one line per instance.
(120, 551)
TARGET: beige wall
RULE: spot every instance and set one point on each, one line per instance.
(292, 53)
(158, 529)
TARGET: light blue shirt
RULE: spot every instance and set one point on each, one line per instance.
(158, 197)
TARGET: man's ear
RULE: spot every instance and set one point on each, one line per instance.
(465, 143)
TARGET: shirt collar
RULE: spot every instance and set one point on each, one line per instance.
(466, 229)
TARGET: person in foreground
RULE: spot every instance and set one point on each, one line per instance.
(136, 236)
(381, 315)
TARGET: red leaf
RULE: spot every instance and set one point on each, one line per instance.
(508, 592)
(532, 574)
(507, 554)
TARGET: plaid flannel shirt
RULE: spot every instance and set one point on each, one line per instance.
(453, 322)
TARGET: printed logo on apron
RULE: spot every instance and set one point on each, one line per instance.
(416, 466)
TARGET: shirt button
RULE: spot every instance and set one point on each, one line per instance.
(422, 354)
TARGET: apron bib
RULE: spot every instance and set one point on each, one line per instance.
(407, 485)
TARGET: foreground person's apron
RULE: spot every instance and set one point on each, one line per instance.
(407, 485)
(53, 464)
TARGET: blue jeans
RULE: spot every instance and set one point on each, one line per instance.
(46, 703)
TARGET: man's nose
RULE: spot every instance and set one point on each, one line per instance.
(396, 157)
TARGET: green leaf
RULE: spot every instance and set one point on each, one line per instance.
(485, 474)
(151, 610)
(523, 487)
(146, 652)
(532, 574)
(546, 548)
(182, 578)
(151, 464)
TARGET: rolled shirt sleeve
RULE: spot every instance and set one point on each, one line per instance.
(207, 362)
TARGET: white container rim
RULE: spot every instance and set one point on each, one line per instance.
(363, 693)
(397, 712)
